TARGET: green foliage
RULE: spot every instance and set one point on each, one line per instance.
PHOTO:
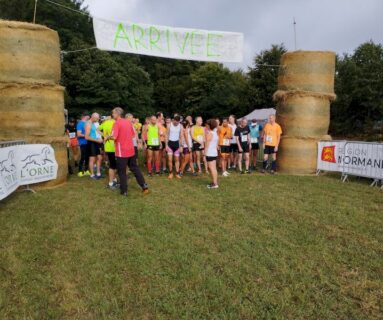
(263, 77)
(217, 92)
(358, 84)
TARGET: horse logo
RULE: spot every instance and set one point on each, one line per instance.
(328, 154)
(8, 166)
(38, 159)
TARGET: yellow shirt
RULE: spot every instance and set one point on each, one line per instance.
(198, 134)
(271, 134)
(138, 126)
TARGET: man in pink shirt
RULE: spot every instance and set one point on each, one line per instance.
(123, 134)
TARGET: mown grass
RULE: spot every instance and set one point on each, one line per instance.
(260, 247)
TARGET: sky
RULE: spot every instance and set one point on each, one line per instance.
(337, 25)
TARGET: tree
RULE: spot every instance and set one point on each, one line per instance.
(263, 77)
(358, 85)
(216, 92)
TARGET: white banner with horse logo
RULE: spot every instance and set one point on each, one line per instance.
(26, 164)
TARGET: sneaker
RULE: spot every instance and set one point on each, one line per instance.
(272, 172)
(94, 177)
(181, 174)
(124, 194)
(150, 174)
(178, 176)
(212, 186)
(87, 173)
(247, 171)
(112, 187)
(195, 174)
(263, 171)
(225, 174)
(158, 173)
(145, 191)
(99, 176)
(170, 176)
(80, 174)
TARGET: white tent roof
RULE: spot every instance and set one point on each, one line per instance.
(259, 114)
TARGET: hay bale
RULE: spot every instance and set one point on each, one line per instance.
(31, 111)
(310, 71)
(59, 144)
(29, 53)
(298, 155)
(305, 116)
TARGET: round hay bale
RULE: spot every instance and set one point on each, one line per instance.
(297, 155)
(304, 116)
(29, 53)
(59, 144)
(31, 111)
(312, 71)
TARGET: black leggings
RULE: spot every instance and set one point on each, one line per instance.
(84, 160)
(131, 162)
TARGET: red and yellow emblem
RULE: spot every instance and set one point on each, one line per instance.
(328, 154)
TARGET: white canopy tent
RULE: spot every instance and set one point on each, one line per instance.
(261, 115)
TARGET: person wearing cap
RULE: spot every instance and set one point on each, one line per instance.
(83, 169)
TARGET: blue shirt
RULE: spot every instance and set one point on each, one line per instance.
(81, 127)
(255, 130)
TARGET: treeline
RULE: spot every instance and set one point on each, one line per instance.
(98, 80)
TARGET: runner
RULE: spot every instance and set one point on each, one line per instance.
(83, 167)
(233, 159)
(153, 146)
(106, 129)
(71, 131)
(225, 135)
(271, 137)
(138, 127)
(94, 143)
(212, 151)
(173, 146)
(163, 134)
(123, 135)
(198, 137)
(187, 148)
(242, 134)
(255, 134)
(145, 137)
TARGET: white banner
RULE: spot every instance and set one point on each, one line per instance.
(363, 159)
(168, 42)
(26, 164)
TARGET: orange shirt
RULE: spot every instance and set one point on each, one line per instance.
(271, 134)
(225, 134)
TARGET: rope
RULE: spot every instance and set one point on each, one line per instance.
(79, 50)
(68, 8)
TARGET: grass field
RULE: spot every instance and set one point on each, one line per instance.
(260, 247)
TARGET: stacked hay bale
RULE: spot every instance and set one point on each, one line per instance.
(31, 99)
(305, 91)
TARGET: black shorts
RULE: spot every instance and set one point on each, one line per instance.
(209, 159)
(225, 149)
(197, 146)
(245, 148)
(185, 151)
(234, 147)
(269, 150)
(174, 146)
(154, 148)
(255, 146)
(112, 160)
(93, 149)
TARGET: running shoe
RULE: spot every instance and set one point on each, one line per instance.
(195, 174)
(272, 172)
(94, 177)
(247, 171)
(112, 187)
(80, 174)
(212, 186)
(99, 176)
(158, 174)
(87, 173)
(225, 174)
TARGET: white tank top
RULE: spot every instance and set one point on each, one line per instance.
(174, 132)
(234, 138)
(212, 151)
(188, 135)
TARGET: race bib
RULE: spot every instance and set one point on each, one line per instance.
(269, 139)
(254, 140)
(226, 142)
(155, 141)
(72, 135)
(244, 138)
(200, 139)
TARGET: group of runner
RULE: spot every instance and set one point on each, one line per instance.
(170, 146)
